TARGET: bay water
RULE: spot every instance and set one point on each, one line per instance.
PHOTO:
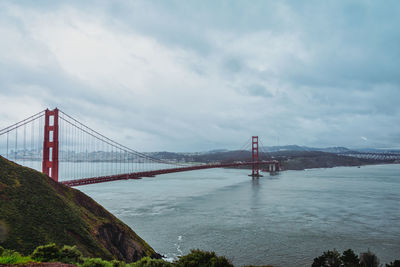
(283, 220)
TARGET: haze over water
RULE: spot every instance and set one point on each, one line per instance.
(284, 220)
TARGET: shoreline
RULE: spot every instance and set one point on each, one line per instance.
(341, 166)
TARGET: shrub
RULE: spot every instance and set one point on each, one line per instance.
(396, 263)
(199, 258)
(369, 259)
(333, 258)
(46, 253)
(117, 263)
(328, 259)
(319, 261)
(96, 262)
(70, 255)
(13, 257)
(149, 262)
(350, 259)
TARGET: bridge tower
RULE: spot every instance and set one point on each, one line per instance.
(50, 144)
(255, 172)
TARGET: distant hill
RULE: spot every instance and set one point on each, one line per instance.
(35, 210)
(378, 150)
(289, 159)
(336, 150)
(304, 148)
(300, 160)
(292, 157)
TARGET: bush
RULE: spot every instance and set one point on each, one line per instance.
(117, 263)
(149, 262)
(328, 259)
(318, 261)
(369, 259)
(13, 257)
(96, 262)
(70, 255)
(396, 263)
(199, 258)
(46, 253)
(350, 259)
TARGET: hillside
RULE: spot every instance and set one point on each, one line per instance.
(300, 160)
(35, 210)
(290, 160)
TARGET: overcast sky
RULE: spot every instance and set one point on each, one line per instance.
(200, 75)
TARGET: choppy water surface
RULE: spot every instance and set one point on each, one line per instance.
(284, 220)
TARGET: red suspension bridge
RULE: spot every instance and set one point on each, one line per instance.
(74, 154)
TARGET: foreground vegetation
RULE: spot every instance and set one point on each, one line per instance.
(71, 255)
(332, 258)
(36, 210)
(196, 258)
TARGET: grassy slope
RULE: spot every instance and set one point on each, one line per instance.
(36, 210)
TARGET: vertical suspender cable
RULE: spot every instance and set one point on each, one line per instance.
(81, 154)
(16, 144)
(68, 147)
(112, 158)
(32, 141)
(74, 151)
(23, 159)
(7, 146)
(103, 157)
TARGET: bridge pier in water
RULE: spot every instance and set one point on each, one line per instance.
(272, 167)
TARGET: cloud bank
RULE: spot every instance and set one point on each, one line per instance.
(198, 75)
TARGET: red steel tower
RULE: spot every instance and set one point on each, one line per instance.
(50, 144)
(254, 157)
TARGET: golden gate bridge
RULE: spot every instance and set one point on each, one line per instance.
(74, 154)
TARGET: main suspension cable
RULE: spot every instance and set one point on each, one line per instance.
(111, 142)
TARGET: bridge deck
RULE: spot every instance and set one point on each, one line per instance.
(139, 175)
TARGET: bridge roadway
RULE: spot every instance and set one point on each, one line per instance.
(139, 175)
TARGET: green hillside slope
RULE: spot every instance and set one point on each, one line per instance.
(35, 210)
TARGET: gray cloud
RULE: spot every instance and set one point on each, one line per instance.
(187, 76)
